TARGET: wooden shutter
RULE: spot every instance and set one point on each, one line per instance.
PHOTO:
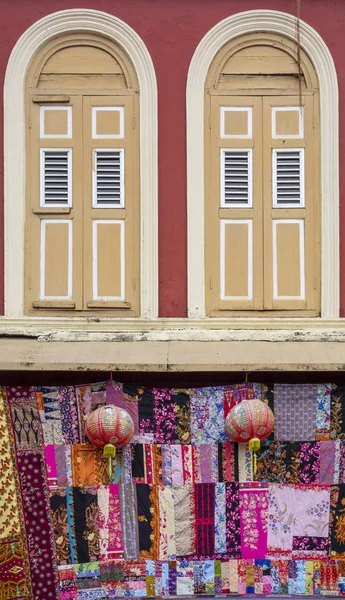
(261, 212)
(234, 276)
(262, 196)
(291, 192)
(82, 246)
(111, 208)
(54, 213)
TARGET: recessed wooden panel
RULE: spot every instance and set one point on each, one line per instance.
(82, 59)
(55, 121)
(82, 66)
(55, 259)
(288, 257)
(108, 259)
(236, 259)
(260, 59)
(235, 122)
(287, 122)
(107, 122)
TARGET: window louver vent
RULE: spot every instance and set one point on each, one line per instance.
(288, 177)
(236, 178)
(55, 177)
(108, 178)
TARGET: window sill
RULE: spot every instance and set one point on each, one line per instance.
(97, 328)
(167, 346)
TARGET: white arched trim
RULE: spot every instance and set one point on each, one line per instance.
(311, 42)
(14, 150)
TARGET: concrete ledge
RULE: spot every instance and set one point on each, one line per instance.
(26, 354)
(94, 329)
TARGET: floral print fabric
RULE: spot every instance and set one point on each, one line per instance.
(296, 512)
(253, 518)
(207, 416)
(181, 514)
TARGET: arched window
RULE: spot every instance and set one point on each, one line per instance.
(82, 220)
(262, 206)
(80, 170)
(263, 192)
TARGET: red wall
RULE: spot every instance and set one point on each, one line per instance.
(172, 29)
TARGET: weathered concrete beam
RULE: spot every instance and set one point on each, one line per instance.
(27, 354)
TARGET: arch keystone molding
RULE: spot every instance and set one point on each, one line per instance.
(37, 35)
(284, 24)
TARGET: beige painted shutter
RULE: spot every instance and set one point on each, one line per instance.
(54, 226)
(233, 213)
(291, 240)
(111, 208)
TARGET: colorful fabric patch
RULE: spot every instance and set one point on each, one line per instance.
(58, 503)
(234, 394)
(295, 409)
(271, 462)
(310, 462)
(227, 462)
(337, 522)
(38, 523)
(86, 525)
(88, 466)
(13, 582)
(129, 520)
(204, 519)
(207, 416)
(329, 461)
(220, 519)
(10, 523)
(167, 547)
(253, 517)
(309, 547)
(69, 415)
(337, 425)
(301, 512)
(52, 425)
(233, 532)
(323, 411)
(245, 463)
(115, 395)
(184, 516)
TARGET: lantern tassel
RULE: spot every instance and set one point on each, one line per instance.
(254, 446)
(109, 452)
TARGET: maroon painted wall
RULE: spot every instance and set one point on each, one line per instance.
(172, 29)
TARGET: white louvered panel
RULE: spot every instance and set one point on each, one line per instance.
(236, 178)
(288, 178)
(56, 179)
(108, 178)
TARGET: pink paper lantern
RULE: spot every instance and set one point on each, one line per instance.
(109, 427)
(249, 422)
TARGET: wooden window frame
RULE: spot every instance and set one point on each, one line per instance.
(40, 33)
(79, 275)
(262, 95)
(267, 21)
